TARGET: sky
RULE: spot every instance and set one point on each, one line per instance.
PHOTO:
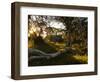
(57, 24)
(52, 22)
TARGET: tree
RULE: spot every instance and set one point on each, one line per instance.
(76, 28)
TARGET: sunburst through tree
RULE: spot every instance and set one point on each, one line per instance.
(57, 40)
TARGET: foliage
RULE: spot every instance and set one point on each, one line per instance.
(51, 34)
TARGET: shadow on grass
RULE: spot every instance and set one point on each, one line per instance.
(62, 59)
(40, 44)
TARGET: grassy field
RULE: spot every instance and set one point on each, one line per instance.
(68, 56)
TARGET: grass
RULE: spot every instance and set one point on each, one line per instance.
(72, 55)
(62, 59)
(81, 58)
(58, 46)
(40, 44)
